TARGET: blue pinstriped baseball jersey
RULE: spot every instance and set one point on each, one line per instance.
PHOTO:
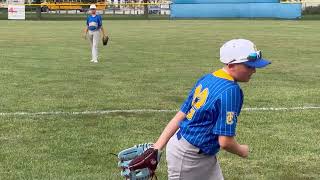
(212, 108)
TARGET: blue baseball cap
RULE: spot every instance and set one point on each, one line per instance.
(242, 51)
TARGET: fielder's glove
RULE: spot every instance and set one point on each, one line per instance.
(105, 40)
(139, 162)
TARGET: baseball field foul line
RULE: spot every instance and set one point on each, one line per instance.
(143, 111)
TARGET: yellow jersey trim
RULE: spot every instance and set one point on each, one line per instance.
(222, 74)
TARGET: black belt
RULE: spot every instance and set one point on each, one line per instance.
(179, 136)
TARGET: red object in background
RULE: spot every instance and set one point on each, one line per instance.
(12, 10)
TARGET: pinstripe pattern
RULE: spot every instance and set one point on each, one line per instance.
(216, 116)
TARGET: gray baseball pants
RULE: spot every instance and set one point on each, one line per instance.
(186, 163)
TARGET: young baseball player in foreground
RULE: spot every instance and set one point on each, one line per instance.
(208, 118)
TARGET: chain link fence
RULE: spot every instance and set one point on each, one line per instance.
(80, 11)
(77, 11)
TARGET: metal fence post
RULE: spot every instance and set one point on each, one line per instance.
(146, 13)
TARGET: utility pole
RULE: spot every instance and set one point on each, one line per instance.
(38, 9)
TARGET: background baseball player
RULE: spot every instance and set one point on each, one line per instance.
(92, 30)
(207, 119)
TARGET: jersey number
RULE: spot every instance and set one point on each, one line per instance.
(199, 98)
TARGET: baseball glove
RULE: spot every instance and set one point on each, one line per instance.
(139, 162)
(105, 40)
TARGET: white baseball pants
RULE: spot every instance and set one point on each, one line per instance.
(94, 37)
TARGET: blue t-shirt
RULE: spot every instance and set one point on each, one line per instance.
(94, 22)
(212, 108)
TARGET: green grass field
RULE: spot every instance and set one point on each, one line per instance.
(150, 65)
